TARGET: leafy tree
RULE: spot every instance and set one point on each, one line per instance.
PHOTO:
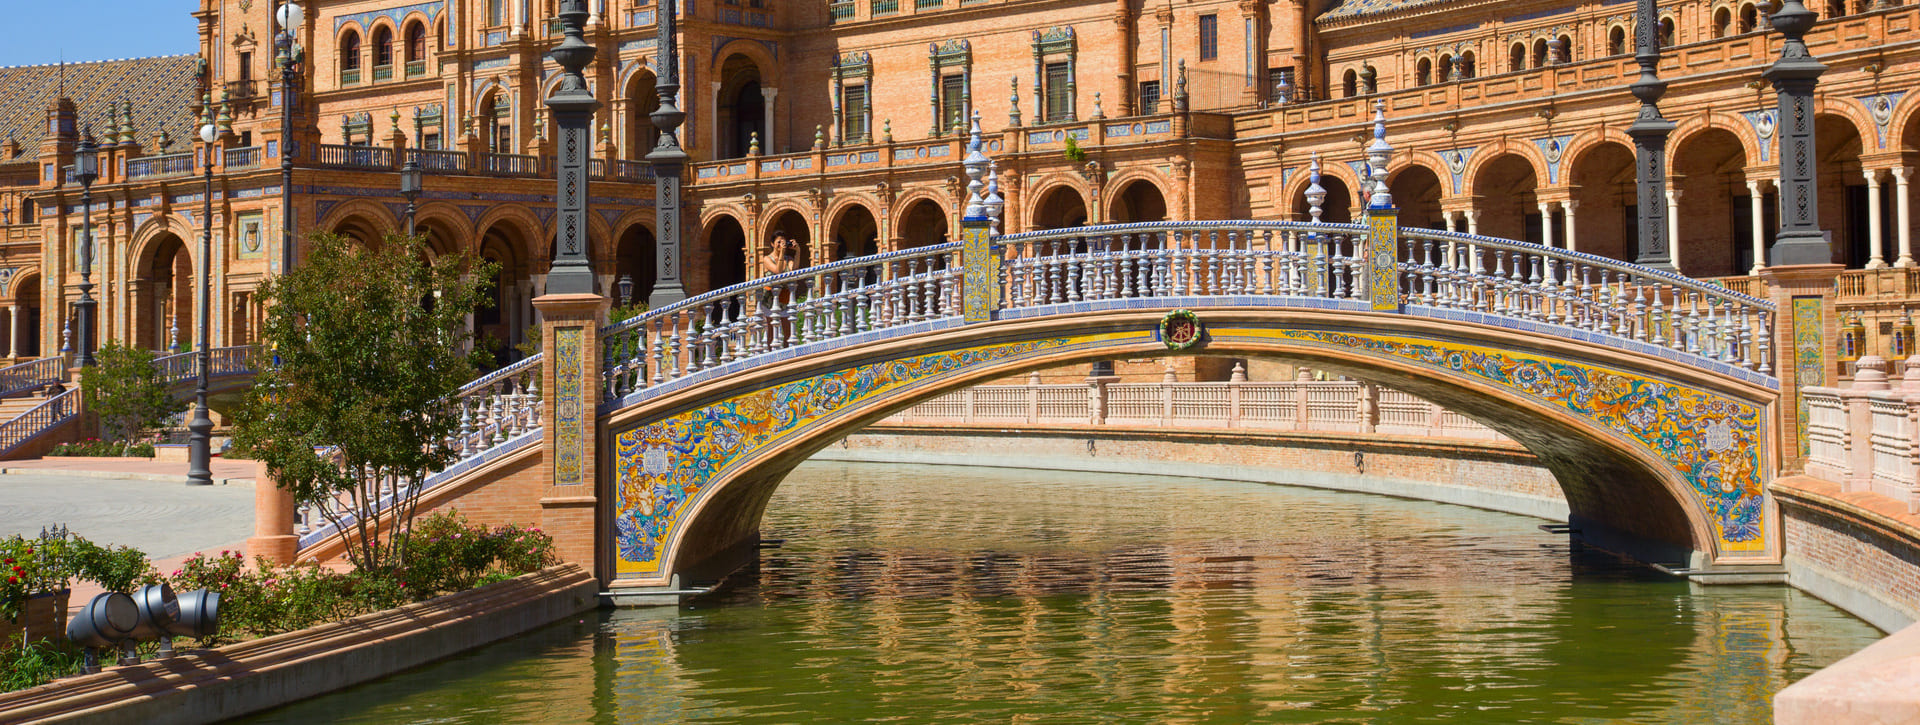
(126, 392)
(370, 346)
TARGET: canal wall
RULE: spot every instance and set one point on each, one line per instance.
(1494, 475)
(237, 679)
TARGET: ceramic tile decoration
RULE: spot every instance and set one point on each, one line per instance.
(1809, 347)
(569, 446)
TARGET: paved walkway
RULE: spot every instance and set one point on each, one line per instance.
(142, 504)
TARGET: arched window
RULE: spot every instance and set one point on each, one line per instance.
(1517, 57)
(416, 42)
(1446, 69)
(1667, 35)
(1465, 61)
(1749, 18)
(1539, 52)
(1350, 83)
(1617, 41)
(1563, 50)
(382, 46)
(1836, 8)
(1722, 23)
(350, 51)
(1423, 72)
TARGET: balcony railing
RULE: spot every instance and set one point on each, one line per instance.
(240, 89)
(165, 165)
(356, 157)
(439, 162)
(632, 171)
(416, 68)
(510, 164)
(245, 157)
(383, 72)
(885, 7)
(350, 77)
(841, 11)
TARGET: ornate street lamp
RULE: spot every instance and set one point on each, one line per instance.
(625, 288)
(573, 105)
(200, 429)
(290, 17)
(1649, 132)
(86, 170)
(1800, 240)
(668, 160)
(411, 181)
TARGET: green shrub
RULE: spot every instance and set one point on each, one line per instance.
(127, 393)
(33, 566)
(97, 447)
(35, 664)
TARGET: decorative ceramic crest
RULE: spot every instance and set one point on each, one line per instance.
(1180, 330)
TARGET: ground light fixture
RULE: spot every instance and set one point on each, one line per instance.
(114, 620)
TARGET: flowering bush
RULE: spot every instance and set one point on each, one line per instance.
(447, 554)
(33, 566)
(97, 447)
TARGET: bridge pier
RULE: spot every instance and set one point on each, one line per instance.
(570, 393)
(1803, 354)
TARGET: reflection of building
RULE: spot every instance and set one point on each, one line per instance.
(837, 123)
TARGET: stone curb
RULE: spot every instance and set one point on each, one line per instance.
(118, 475)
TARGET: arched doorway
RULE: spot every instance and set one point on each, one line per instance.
(792, 224)
(1605, 221)
(1336, 209)
(742, 107)
(641, 103)
(163, 304)
(1060, 208)
(1140, 201)
(726, 253)
(923, 225)
(495, 122)
(1707, 170)
(511, 319)
(855, 234)
(1508, 207)
(1843, 191)
(25, 340)
(637, 258)
(1416, 190)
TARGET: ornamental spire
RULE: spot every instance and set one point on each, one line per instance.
(976, 166)
(1379, 153)
(1316, 194)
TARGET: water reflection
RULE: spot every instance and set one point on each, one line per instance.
(969, 595)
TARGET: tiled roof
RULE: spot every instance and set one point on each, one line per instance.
(1347, 9)
(163, 91)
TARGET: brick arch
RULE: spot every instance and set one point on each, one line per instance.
(1693, 126)
(382, 218)
(1118, 182)
(905, 201)
(770, 74)
(1901, 131)
(487, 87)
(1486, 154)
(1856, 114)
(633, 69)
(842, 202)
(635, 218)
(1586, 141)
(446, 215)
(523, 223)
(12, 292)
(1304, 178)
(1046, 186)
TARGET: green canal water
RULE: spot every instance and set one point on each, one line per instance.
(928, 594)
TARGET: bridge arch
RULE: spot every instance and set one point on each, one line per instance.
(1657, 459)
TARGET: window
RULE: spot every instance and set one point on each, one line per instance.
(1667, 35)
(1617, 41)
(246, 66)
(430, 141)
(1280, 81)
(1350, 84)
(1149, 97)
(953, 101)
(1423, 72)
(1749, 18)
(853, 104)
(1722, 23)
(496, 13)
(1058, 90)
(1517, 57)
(1446, 69)
(1209, 37)
(416, 42)
(1563, 49)
(350, 51)
(1540, 52)
(1466, 64)
(382, 47)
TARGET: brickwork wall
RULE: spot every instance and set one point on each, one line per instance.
(1856, 555)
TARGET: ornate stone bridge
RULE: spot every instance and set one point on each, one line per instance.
(651, 447)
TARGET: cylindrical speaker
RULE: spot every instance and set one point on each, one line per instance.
(199, 615)
(158, 611)
(105, 621)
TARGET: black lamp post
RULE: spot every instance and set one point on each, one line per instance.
(200, 429)
(86, 170)
(290, 17)
(411, 181)
(1649, 132)
(1800, 240)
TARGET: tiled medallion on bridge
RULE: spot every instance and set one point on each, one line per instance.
(663, 466)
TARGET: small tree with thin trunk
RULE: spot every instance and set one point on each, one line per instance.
(368, 348)
(127, 393)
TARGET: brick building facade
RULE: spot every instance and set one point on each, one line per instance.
(836, 123)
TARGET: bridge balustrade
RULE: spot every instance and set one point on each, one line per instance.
(1866, 437)
(32, 374)
(184, 366)
(39, 419)
(1195, 263)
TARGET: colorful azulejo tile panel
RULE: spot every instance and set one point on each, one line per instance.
(663, 467)
(1714, 442)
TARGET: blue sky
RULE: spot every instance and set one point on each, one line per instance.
(37, 31)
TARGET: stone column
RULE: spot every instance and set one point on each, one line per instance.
(1802, 355)
(1473, 221)
(569, 340)
(1566, 238)
(1876, 244)
(1902, 215)
(18, 344)
(1546, 224)
(1756, 204)
(766, 124)
(273, 506)
(1673, 227)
